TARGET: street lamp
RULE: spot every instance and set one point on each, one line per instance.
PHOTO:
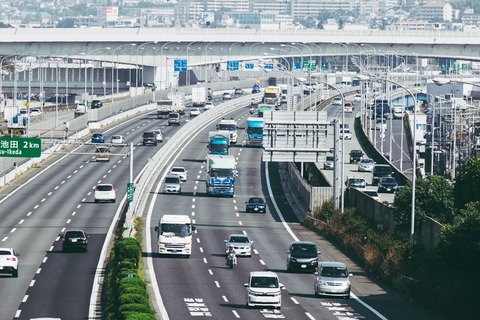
(136, 65)
(414, 153)
(115, 62)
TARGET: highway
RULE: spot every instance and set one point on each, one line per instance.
(56, 284)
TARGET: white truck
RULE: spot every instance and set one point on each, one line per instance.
(199, 96)
(221, 173)
(164, 108)
(229, 125)
(175, 235)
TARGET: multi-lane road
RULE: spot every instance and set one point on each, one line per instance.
(56, 284)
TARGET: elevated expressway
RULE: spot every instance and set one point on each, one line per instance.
(153, 50)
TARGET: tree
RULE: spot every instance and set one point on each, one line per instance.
(467, 183)
(433, 198)
(460, 242)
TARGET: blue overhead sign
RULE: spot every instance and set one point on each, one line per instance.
(297, 65)
(249, 66)
(180, 65)
(232, 65)
(268, 66)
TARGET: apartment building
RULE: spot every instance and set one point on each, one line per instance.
(435, 11)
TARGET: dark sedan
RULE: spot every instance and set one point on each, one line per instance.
(255, 204)
(388, 184)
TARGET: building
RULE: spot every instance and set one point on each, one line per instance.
(435, 12)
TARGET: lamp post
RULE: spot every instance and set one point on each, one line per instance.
(414, 153)
(136, 65)
(166, 64)
(187, 73)
(114, 64)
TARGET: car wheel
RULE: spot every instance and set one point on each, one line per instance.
(96, 201)
(113, 200)
(15, 273)
(155, 144)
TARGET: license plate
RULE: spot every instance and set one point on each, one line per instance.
(303, 266)
(74, 240)
(1, 268)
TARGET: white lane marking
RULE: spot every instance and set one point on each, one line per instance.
(28, 214)
(69, 220)
(237, 214)
(25, 298)
(21, 221)
(210, 272)
(255, 251)
(62, 182)
(217, 284)
(240, 223)
(44, 260)
(56, 187)
(50, 193)
(309, 316)
(17, 314)
(235, 313)
(43, 200)
(51, 248)
(13, 230)
(201, 249)
(294, 300)
(205, 260)
(39, 270)
(36, 206)
(198, 240)
(32, 283)
(69, 176)
(4, 239)
(74, 213)
(225, 298)
(262, 262)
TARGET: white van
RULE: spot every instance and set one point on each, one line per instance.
(264, 288)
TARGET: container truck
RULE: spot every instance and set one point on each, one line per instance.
(174, 104)
(199, 96)
(175, 235)
(272, 95)
(221, 173)
(218, 142)
(255, 131)
(229, 125)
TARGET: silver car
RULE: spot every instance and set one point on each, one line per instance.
(332, 279)
(241, 243)
(366, 165)
(158, 135)
(172, 184)
(329, 163)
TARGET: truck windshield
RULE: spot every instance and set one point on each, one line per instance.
(227, 127)
(218, 148)
(255, 130)
(221, 173)
(178, 230)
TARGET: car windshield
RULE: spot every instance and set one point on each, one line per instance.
(239, 239)
(255, 200)
(97, 135)
(356, 152)
(383, 170)
(356, 181)
(172, 180)
(214, 173)
(304, 251)
(178, 170)
(330, 159)
(148, 134)
(388, 180)
(264, 282)
(334, 272)
(366, 161)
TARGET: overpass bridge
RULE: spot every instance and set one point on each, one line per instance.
(152, 51)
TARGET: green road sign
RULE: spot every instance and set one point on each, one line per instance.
(20, 147)
(309, 65)
(324, 65)
(130, 188)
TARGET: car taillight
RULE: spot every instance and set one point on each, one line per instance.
(11, 259)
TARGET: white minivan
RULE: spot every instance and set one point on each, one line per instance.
(264, 288)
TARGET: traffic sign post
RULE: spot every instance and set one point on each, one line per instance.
(180, 65)
(130, 188)
(20, 147)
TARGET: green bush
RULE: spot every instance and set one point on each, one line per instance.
(132, 290)
(135, 307)
(129, 298)
(127, 264)
(128, 249)
(132, 282)
(137, 316)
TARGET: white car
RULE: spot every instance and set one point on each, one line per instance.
(227, 96)
(366, 165)
(337, 101)
(264, 288)
(179, 171)
(345, 134)
(117, 139)
(158, 135)
(9, 262)
(241, 243)
(357, 98)
(332, 279)
(195, 111)
(104, 193)
(208, 105)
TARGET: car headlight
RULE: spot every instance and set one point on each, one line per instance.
(322, 282)
(293, 259)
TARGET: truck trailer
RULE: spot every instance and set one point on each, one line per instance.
(221, 172)
(199, 96)
(218, 142)
(229, 125)
(255, 131)
(175, 235)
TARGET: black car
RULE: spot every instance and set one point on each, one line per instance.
(255, 204)
(97, 104)
(388, 184)
(149, 137)
(303, 256)
(75, 240)
(355, 156)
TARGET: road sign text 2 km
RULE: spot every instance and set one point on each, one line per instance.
(20, 147)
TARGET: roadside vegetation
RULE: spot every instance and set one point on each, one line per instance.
(442, 279)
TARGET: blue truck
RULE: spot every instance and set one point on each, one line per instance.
(218, 142)
(382, 108)
(221, 172)
(255, 131)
